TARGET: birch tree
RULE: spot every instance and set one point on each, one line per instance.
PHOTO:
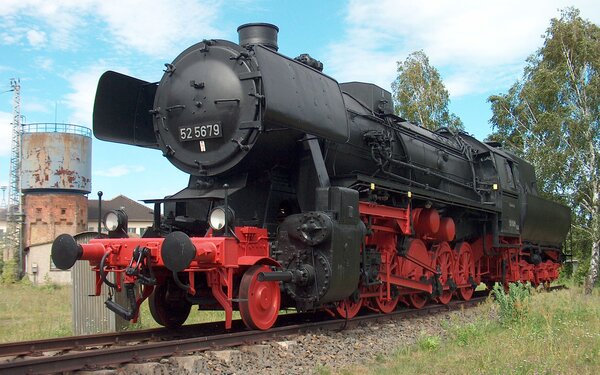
(420, 95)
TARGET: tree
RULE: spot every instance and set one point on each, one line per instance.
(420, 95)
(552, 118)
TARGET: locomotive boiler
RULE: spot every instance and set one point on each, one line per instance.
(307, 193)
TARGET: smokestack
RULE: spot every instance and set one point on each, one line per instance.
(258, 33)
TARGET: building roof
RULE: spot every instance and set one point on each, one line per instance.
(135, 211)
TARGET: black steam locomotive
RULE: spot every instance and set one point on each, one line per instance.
(309, 193)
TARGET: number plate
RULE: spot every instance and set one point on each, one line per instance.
(199, 132)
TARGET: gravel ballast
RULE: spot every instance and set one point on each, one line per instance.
(312, 352)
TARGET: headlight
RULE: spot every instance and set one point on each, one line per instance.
(217, 220)
(111, 221)
(115, 220)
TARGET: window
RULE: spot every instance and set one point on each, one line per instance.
(53, 266)
(63, 211)
(509, 174)
(131, 230)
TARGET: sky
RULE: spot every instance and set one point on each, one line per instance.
(58, 49)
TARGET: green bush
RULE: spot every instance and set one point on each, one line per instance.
(514, 304)
(580, 274)
(468, 334)
(9, 272)
(429, 343)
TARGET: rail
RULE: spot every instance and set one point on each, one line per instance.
(156, 343)
(114, 349)
(50, 127)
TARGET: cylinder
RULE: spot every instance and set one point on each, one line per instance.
(258, 33)
(56, 157)
(426, 221)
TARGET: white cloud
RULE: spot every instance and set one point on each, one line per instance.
(81, 99)
(120, 170)
(36, 38)
(12, 36)
(154, 27)
(59, 19)
(5, 133)
(44, 63)
(477, 45)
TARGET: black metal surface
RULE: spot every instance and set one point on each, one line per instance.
(370, 95)
(264, 34)
(205, 88)
(323, 248)
(122, 110)
(544, 222)
(65, 251)
(177, 251)
(262, 102)
(301, 98)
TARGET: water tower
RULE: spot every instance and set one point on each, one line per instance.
(56, 176)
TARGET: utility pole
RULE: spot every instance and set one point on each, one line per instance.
(3, 202)
(13, 240)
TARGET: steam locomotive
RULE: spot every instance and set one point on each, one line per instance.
(307, 193)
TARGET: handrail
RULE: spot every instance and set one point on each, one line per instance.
(49, 127)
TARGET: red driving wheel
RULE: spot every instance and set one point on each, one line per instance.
(412, 271)
(384, 303)
(348, 308)
(444, 261)
(465, 270)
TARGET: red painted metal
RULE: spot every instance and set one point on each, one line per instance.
(348, 308)
(443, 261)
(221, 259)
(259, 301)
(416, 260)
(399, 216)
(386, 301)
(446, 231)
(509, 262)
(414, 251)
(426, 254)
(412, 267)
(417, 300)
(464, 270)
(426, 222)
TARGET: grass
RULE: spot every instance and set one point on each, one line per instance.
(30, 313)
(195, 317)
(555, 333)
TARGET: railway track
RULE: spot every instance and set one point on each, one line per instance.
(98, 351)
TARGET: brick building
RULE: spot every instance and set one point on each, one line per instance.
(47, 216)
